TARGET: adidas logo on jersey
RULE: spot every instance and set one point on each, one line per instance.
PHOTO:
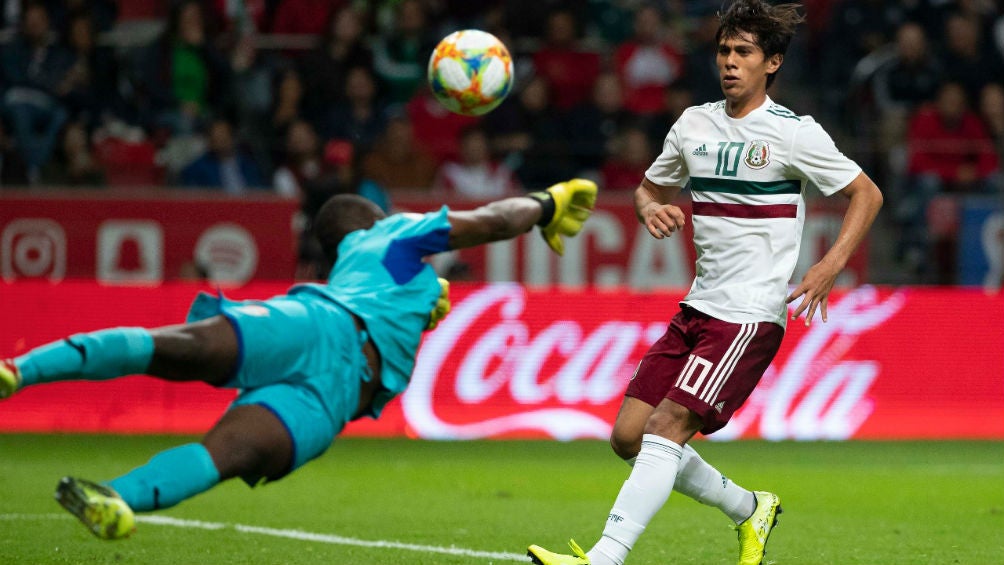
(719, 406)
(701, 151)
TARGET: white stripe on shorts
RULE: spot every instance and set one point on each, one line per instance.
(729, 361)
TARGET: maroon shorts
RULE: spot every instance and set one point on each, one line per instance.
(706, 365)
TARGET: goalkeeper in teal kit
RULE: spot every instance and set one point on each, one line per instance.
(305, 362)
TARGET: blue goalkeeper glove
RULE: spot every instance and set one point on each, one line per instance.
(442, 307)
(566, 206)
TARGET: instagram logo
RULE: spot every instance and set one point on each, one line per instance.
(33, 248)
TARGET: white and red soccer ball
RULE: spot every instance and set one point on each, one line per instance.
(470, 72)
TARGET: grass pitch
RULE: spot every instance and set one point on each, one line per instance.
(393, 502)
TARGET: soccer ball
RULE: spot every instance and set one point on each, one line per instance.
(470, 72)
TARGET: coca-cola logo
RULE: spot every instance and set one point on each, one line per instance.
(487, 371)
(816, 392)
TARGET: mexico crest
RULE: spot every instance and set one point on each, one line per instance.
(758, 155)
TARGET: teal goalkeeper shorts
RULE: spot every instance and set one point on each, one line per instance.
(301, 357)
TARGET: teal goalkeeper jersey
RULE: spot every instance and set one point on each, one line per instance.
(381, 277)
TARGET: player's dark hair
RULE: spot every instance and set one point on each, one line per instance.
(772, 27)
(341, 215)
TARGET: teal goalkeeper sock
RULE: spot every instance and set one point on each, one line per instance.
(91, 356)
(168, 478)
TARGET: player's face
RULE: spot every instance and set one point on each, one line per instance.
(742, 67)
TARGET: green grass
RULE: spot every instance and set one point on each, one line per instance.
(845, 503)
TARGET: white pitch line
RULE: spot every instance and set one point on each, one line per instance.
(298, 535)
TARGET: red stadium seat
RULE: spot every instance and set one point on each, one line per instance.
(142, 10)
(128, 163)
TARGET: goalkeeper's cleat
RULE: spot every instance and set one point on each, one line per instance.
(99, 508)
(541, 556)
(10, 378)
(753, 532)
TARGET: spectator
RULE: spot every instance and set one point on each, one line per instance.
(33, 69)
(969, 60)
(325, 69)
(859, 27)
(592, 125)
(630, 157)
(702, 73)
(303, 17)
(400, 55)
(529, 132)
(13, 169)
(648, 62)
(90, 87)
(252, 74)
(908, 79)
(102, 13)
(181, 77)
(476, 176)
(303, 161)
(436, 128)
(568, 70)
(224, 166)
(991, 110)
(287, 108)
(397, 162)
(74, 162)
(949, 152)
(361, 118)
(678, 97)
(948, 141)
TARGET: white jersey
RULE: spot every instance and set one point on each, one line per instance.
(747, 178)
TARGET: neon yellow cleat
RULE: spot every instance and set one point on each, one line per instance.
(10, 378)
(753, 533)
(541, 556)
(99, 508)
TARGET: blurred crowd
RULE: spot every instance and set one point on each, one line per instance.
(308, 98)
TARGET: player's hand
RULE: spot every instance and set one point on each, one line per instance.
(442, 307)
(661, 220)
(814, 291)
(573, 203)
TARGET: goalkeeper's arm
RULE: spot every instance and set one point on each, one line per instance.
(559, 211)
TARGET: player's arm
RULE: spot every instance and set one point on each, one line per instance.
(652, 204)
(865, 200)
(559, 211)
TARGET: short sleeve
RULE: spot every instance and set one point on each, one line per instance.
(815, 157)
(670, 168)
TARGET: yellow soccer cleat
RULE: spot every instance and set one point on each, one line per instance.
(541, 556)
(10, 378)
(99, 508)
(753, 533)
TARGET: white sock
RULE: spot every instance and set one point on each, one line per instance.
(705, 484)
(643, 494)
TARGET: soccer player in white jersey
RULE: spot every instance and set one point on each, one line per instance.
(747, 161)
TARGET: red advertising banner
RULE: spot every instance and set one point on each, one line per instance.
(510, 361)
(147, 237)
(150, 237)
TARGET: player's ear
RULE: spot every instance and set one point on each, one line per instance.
(774, 63)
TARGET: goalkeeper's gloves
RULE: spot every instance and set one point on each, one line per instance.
(442, 307)
(566, 206)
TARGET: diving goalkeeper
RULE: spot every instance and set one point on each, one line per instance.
(305, 362)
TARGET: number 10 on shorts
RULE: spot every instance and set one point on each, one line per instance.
(693, 379)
